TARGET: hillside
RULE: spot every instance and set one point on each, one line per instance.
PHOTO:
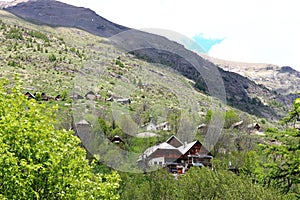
(241, 92)
(48, 61)
(145, 110)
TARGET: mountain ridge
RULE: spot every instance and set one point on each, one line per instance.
(50, 12)
(283, 79)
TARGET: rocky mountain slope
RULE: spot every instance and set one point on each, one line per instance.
(284, 80)
(241, 92)
(56, 13)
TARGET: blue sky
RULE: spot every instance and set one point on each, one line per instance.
(205, 43)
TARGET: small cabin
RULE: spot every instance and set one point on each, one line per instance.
(57, 98)
(44, 97)
(29, 95)
(151, 126)
(237, 125)
(90, 95)
(253, 128)
(117, 140)
(75, 96)
(124, 101)
(165, 126)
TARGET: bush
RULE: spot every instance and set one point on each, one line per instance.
(15, 33)
(52, 58)
(39, 35)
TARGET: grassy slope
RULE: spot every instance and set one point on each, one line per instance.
(58, 60)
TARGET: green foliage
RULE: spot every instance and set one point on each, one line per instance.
(294, 114)
(230, 118)
(73, 50)
(39, 162)
(283, 159)
(208, 115)
(103, 125)
(263, 121)
(12, 63)
(200, 86)
(109, 130)
(64, 95)
(252, 166)
(220, 185)
(140, 83)
(15, 33)
(197, 183)
(119, 63)
(154, 185)
(139, 145)
(52, 58)
(3, 25)
(39, 35)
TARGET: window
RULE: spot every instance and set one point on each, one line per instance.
(155, 163)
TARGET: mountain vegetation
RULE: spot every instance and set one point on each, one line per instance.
(119, 94)
(241, 92)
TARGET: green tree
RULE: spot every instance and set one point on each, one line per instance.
(119, 63)
(204, 183)
(64, 95)
(197, 183)
(52, 57)
(294, 114)
(283, 162)
(230, 118)
(39, 162)
(140, 83)
(283, 158)
(208, 116)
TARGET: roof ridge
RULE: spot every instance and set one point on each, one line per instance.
(175, 138)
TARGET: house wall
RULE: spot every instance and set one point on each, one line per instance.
(91, 96)
(164, 126)
(157, 161)
(151, 127)
(196, 149)
(170, 155)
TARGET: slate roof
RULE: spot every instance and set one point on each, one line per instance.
(173, 136)
(184, 148)
(152, 149)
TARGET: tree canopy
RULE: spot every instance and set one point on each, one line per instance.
(197, 183)
(39, 162)
(283, 157)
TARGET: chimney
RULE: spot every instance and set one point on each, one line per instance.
(185, 144)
